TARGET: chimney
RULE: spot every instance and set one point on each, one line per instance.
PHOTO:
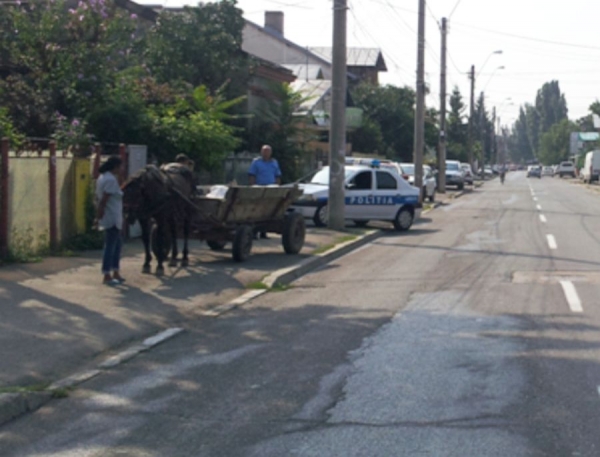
(274, 21)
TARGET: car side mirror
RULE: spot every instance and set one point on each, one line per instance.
(350, 185)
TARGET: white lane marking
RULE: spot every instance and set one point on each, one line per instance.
(543, 218)
(598, 390)
(535, 199)
(538, 207)
(572, 297)
(552, 242)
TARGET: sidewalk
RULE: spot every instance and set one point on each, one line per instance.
(56, 316)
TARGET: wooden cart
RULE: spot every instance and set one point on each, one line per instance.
(243, 212)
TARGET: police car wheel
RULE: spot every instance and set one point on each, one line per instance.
(320, 217)
(404, 219)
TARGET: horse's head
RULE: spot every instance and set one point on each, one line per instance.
(144, 194)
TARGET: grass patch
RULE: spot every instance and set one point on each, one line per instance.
(257, 285)
(62, 392)
(23, 389)
(338, 240)
(280, 287)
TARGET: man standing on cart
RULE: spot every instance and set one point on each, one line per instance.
(264, 171)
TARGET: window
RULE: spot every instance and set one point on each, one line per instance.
(386, 181)
(362, 181)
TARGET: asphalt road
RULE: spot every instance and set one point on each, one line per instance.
(474, 334)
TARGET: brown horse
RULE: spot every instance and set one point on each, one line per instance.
(157, 199)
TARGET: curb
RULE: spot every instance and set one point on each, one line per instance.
(13, 405)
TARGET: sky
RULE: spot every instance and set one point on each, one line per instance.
(540, 41)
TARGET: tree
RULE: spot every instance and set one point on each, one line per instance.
(200, 46)
(392, 109)
(554, 144)
(521, 150)
(550, 105)
(457, 128)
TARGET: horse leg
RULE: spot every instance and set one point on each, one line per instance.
(174, 252)
(161, 240)
(186, 234)
(145, 226)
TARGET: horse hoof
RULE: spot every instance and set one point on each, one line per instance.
(146, 269)
(185, 262)
(173, 263)
(160, 271)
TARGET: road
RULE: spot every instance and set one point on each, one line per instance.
(474, 334)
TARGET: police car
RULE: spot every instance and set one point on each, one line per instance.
(372, 193)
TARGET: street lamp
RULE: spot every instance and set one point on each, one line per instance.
(487, 60)
(491, 76)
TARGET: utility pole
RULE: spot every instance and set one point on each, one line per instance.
(337, 137)
(470, 145)
(420, 114)
(441, 159)
(493, 145)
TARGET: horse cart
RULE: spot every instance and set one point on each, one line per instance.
(239, 215)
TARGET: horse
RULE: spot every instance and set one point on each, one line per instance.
(156, 198)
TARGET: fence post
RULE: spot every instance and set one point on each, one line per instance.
(52, 196)
(4, 188)
(96, 165)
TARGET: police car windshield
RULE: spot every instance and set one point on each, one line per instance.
(322, 177)
(451, 166)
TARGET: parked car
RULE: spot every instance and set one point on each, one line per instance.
(429, 182)
(488, 172)
(372, 193)
(534, 171)
(566, 168)
(455, 176)
(591, 167)
(468, 173)
(547, 171)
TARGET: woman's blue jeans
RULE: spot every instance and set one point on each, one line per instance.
(112, 250)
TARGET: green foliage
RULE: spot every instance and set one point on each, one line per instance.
(457, 128)
(554, 144)
(8, 130)
(368, 138)
(200, 46)
(25, 248)
(71, 134)
(392, 109)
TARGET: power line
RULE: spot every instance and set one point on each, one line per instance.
(538, 40)
(454, 9)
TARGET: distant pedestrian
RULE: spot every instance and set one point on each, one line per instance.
(110, 218)
(264, 171)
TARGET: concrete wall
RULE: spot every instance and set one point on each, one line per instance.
(29, 201)
(29, 215)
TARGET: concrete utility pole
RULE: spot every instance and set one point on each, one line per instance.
(441, 159)
(472, 113)
(337, 136)
(493, 146)
(420, 114)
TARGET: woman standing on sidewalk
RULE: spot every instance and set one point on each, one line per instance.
(110, 218)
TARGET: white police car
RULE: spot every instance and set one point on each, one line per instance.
(371, 194)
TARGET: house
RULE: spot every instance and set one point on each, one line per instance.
(364, 63)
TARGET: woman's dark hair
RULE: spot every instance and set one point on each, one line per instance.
(112, 163)
(182, 158)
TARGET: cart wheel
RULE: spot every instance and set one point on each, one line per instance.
(216, 245)
(154, 243)
(242, 243)
(294, 231)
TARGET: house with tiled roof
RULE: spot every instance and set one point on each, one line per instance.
(364, 63)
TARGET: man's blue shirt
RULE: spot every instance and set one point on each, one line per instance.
(266, 172)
